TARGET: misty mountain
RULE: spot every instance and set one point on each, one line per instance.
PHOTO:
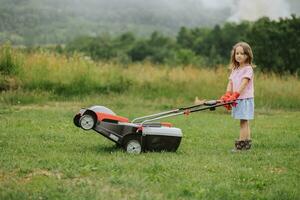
(59, 21)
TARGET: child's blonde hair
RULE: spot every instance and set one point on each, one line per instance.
(247, 50)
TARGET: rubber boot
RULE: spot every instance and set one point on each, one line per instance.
(248, 144)
(239, 144)
(242, 145)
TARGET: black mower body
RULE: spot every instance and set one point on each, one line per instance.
(143, 133)
(151, 136)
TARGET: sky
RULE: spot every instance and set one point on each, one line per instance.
(251, 9)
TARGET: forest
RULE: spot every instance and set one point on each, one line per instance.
(274, 45)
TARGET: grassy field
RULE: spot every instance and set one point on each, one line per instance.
(44, 156)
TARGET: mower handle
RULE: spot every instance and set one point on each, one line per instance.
(211, 104)
(206, 103)
(167, 113)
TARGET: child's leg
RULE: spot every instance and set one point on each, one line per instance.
(244, 142)
(245, 130)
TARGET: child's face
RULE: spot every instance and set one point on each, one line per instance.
(240, 55)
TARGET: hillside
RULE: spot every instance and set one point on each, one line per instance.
(53, 21)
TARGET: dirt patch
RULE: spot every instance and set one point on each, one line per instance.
(40, 172)
(277, 170)
(49, 105)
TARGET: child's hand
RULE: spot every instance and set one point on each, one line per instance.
(226, 96)
(234, 96)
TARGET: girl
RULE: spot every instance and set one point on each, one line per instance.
(240, 89)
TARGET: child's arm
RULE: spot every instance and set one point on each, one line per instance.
(236, 94)
(244, 83)
(229, 87)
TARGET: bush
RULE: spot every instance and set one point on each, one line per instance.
(9, 83)
(9, 60)
(10, 65)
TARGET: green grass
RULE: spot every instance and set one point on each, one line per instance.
(44, 156)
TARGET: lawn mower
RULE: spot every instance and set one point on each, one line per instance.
(142, 134)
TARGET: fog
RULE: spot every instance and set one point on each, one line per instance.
(176, 13)
(53, 19)
(234, 10)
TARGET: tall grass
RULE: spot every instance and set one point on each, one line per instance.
(66, 77)
(10, 64)
(10, 60)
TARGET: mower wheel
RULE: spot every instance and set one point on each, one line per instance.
(133, 146)
(87, 121)
(76, 120)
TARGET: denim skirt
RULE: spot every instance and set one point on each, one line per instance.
(244, 109)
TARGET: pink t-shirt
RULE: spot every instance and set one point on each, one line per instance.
(237, 76)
